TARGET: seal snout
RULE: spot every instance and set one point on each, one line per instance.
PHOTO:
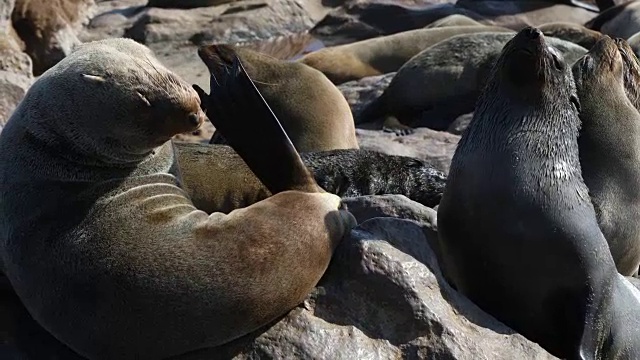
(530, 41)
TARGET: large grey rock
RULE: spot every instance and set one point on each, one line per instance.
(384, 297)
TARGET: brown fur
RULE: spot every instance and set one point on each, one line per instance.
(37, 22)
(99, 239)
(575, 33)
(454, 20)
(384, 54)
(313, 112)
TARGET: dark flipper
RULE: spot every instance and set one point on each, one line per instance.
(237, 109)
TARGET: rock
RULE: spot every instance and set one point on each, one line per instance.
(6, 7)
(361, 92)
(397, 206)
(434, 147)
(15, 76)
(186, 4)
(384, 297)
(48, 28)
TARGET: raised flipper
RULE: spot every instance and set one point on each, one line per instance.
(237, 109)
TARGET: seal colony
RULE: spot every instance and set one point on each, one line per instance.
(520, 153)
(115, 254)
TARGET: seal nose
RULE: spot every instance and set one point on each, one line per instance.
(532, 33)
(194, 119)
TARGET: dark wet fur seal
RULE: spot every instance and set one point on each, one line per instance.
(609, 145)
(216, 179)
(100, 241)
(456, 70)
(518, 234)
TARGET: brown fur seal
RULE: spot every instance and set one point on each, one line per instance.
(574, 33)
(454, 20)
(610, 151)
(631, 72)
(313, 112)
(518, 234)
(622, 20)
(121, 264)
(449, 76)
(382, 55)
(217, 179)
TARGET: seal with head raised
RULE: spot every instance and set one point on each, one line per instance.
(101, 243)
(518, 234)
(450, 76)
(382, 55)
(609, 145)
(313, 112)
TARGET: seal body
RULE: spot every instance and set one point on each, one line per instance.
(382, 55)
(450, 76)
(454, 20)
(621, 21)
(575, 33)
(313, 112)
(216, 179)
(609, 145)
(517, 231)
(101, 243)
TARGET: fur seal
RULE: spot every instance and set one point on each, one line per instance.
(609, 145)
(216, 179)
(384, 54)
(454, 20)
(574, 33)
(621, 21)
(524, 138)
(313, 112)
(121, 264)
(455, 71)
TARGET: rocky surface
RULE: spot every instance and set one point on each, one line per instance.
(384, 297)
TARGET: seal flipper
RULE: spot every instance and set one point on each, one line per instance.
(237, 109)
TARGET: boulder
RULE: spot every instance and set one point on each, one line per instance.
(384, 297)
(6, 7)
(49, 28)
(15, 76)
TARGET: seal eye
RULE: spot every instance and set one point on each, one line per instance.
(559, 65)
(576, 102)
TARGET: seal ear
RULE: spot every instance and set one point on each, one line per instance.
(94, 78)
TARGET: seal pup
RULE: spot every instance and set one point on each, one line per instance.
(575, 33)
(216, 178)
(517, 232)
(313, 112)
(382, 55)
(121, 264)
(450, 76)
(609, 144)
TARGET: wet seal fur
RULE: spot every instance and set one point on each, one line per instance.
(609, 145)
(216, 178)
(102, 245)
(382, 55)
(313, 112)
(518, 234)
(450, 76)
